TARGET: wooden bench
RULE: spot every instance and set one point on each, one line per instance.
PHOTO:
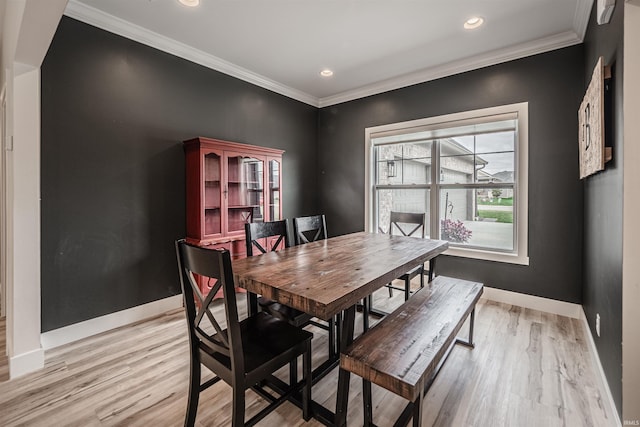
(404, 351)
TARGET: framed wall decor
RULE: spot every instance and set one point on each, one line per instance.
(593, 153)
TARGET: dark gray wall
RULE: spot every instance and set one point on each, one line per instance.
(553, 84)
(603, 210)
(114, 115)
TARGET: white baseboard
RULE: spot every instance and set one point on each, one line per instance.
(90, 327)
(607, 400)
(547, 305)
(25, 363)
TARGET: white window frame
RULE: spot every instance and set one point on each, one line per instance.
(520, 254)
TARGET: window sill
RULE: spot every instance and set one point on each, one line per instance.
(488, 255)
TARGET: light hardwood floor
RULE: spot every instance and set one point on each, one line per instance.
(4, 361)
(528, 369)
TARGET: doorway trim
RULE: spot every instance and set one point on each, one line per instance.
(3, 203)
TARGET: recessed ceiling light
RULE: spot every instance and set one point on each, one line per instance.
(326, 73)
(473, 22)
(191, 3)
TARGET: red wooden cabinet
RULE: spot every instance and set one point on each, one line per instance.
(228, 185)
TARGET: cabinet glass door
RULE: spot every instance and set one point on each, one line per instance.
(212, 194)
(274, 190)
(245, 191)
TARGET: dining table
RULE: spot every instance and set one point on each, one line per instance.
(328, 278)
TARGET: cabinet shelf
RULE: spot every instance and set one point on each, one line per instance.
(244, 182)
(243, 206)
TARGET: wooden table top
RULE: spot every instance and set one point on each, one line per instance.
(325, 277)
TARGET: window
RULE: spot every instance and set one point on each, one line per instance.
(467, 172)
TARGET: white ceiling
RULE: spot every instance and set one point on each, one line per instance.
(371, 45)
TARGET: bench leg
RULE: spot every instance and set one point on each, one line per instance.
(407, 288)
(472, 322)
(469, 342)
(366, 400)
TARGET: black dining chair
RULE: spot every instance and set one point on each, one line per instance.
(274, 235)
(307, 229)
(244, 354)
(407, 224)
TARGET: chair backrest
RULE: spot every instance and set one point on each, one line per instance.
(414, 220)
(308, 229)
(214, 265)
(261, 230)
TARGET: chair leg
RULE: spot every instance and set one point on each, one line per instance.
(293, 372)
(422, 276)
(306, 391)
(407, 288)
(237, 417)
(390, 290)
(194, 393)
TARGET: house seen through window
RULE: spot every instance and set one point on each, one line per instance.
(466, 172)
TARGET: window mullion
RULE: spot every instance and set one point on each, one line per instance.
(434, 194)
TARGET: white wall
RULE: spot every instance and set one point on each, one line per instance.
(10, 30)
(27, 30)
(3, 231)
(631, 223)
(24, 163)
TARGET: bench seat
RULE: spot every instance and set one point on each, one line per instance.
(403, 351)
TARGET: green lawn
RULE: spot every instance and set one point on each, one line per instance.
(500, 216)
(507, 201)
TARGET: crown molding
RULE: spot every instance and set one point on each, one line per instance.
(510, 53)
(105, 21)
(581, 17)
(126, 29)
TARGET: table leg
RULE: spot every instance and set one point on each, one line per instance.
(366, 401)
(252, 303)
(346, 338)
(432, 268)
